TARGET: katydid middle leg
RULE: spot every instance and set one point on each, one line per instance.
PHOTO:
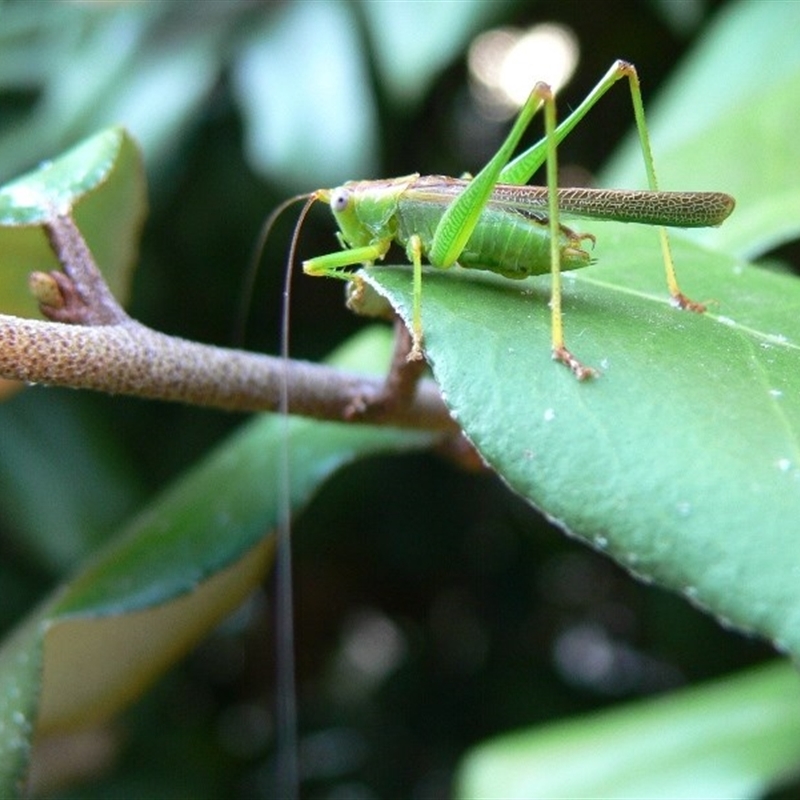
(458, 222)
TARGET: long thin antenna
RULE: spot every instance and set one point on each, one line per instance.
(249, 282)
(287, 775)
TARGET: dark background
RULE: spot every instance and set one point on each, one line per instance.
(498, 617)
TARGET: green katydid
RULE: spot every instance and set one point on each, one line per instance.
(495, 222)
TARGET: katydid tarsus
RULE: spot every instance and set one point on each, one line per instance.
(494, 221)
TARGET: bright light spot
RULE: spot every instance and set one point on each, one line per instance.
(547, 52)
(506, 63)
(373, 645)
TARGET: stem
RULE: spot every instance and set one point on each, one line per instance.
(94, 344)
(131, 359)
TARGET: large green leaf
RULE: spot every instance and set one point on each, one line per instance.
(683, 460)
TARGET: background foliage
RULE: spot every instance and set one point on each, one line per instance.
(493, 615)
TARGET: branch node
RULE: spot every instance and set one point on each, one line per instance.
(398, 389)
(46, 290)
(85, 296)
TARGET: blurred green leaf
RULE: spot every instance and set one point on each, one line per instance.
(102, 181)
(105, 65)
(721, 124)
(108, 61)
(20, 676)
(412, 42)
(319, 127)
(170, 575)
(736, 737)
(66, 523)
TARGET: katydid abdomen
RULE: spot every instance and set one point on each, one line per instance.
(512, 236)
(511, 241)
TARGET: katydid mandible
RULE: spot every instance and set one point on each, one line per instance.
(495, 222)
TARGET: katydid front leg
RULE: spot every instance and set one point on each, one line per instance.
(334, 265)
(407, 362)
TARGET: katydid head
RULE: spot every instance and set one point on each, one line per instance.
(364, 210)
(344, 208)
(344, 202)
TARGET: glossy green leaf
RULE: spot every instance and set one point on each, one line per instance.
(102, 181)
(735, 737)
(681, 461)
(168, 577)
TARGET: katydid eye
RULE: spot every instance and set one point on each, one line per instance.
(340, 199)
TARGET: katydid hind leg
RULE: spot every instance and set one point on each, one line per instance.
(678, 297)
(521, 169)
(459, 220)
